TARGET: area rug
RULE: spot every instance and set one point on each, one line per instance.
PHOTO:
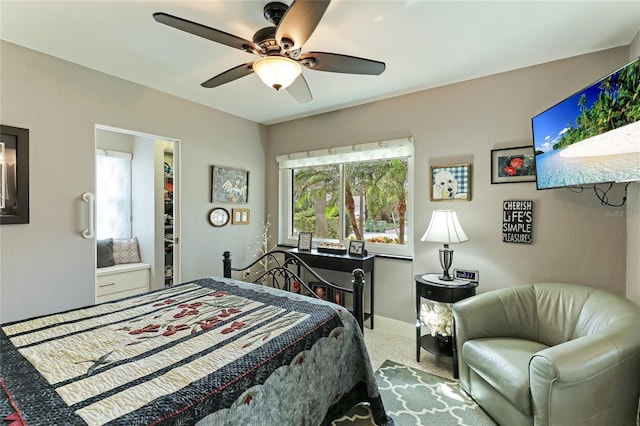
(414, 398)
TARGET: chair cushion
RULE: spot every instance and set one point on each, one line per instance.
(504, 364)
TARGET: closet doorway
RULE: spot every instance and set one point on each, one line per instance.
(148, 210)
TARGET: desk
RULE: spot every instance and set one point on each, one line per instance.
(431, 287)
(341, 263)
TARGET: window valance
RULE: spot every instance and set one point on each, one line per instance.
(396, 148)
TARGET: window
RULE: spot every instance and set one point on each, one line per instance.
(113, 194)
(359, 192)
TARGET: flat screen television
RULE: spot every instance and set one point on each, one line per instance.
(592, 136)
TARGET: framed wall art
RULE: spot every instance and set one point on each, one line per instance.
(14, 175)
(512, 165)
(240, 216)
(451, 182)
(218, 216)
(229, 185)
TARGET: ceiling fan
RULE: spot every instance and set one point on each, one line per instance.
(279, 47)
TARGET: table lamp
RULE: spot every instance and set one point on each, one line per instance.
(445, 228)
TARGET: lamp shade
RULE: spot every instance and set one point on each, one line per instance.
(277, 71)
(444, 228)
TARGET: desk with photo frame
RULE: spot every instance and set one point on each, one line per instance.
(341, 263)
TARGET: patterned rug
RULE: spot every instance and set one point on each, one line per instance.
(414, 398)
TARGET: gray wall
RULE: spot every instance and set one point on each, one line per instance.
(46, 266)
(575, 238)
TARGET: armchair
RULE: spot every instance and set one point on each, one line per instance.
(550, 354)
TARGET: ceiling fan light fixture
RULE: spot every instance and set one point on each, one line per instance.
(277, 71)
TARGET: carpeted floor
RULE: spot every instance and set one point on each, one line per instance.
(413, 397)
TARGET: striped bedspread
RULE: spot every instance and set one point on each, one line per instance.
(209, 352)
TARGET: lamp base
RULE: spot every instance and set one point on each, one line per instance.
(446, 259)
(445, 277)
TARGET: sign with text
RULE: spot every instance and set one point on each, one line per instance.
(517, 221)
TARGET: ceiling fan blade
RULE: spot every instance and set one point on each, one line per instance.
(298, 22)
(206, 32)
(229, 75)
(333, 62)
(299, 90)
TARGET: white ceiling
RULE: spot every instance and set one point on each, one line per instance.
(423, 43)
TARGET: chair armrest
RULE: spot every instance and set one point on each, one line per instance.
(571, 382)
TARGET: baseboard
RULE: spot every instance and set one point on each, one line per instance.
(393, 326)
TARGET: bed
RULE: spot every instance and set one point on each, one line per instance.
(214, 351)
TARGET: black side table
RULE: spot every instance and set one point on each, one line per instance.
(431, 287)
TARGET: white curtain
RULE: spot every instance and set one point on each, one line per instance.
(113, 194)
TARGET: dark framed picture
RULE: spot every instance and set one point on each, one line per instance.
(337, 297)
(14, 175)
(356, 248)
(513, 165)
(229, 185)
(219, 216)
(451, 182)
(304, 241)
(321, 291)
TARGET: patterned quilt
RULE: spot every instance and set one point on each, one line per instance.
(209, 352)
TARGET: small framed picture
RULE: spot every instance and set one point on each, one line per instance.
(321, 291)
(451, 183)
(338, 297)
(356, 248)
(219, 216)
(240, 216)
(304, 241)
(513, 165)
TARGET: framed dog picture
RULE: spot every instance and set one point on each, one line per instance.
(451, 182)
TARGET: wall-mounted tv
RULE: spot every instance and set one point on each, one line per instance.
(593, 136)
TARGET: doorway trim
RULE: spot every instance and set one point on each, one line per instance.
(176, 199)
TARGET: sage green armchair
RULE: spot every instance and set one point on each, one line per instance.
(550, 354)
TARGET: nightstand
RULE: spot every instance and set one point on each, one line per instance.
(431, 287)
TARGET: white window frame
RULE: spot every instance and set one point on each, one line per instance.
(397, 148)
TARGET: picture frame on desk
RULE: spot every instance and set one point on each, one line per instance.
(304, 241)
(337, 297)
(356, 248)
(321, 291)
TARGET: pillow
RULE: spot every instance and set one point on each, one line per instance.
(104, 250)
(125, 250)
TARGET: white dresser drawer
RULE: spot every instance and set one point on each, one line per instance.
(117, 284)
(119, 295)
